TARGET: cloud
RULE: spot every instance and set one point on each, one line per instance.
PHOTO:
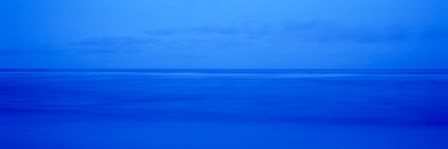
(333, 32)
(119, 41)
(114, 44)
(313, 31)
(238, 36)
(34, 51)
(434, 33)
(207, 30)
(10, 52)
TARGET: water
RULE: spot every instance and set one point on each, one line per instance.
(221, 109)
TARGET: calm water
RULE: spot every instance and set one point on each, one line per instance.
(223, 109)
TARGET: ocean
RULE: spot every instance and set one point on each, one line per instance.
(223, 109)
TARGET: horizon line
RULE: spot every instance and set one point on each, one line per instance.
(204, 69)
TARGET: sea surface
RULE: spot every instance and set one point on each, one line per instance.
(223, 109)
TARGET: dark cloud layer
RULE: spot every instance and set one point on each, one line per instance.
(119, 41)
(225, 33)
(209, 36)
(331, 32)
(300, 32)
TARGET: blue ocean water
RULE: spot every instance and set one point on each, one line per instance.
(221, 109)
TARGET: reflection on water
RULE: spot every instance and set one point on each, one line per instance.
(224, 109)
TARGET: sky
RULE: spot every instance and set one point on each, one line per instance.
(224, 34)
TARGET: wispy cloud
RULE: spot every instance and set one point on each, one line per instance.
(209, 36)
(317, 31)
(439, 33)
(333, 32)
(119, 41)
(115, 44)
(36, 51)
(211, 30)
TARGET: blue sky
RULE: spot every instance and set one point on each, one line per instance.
(271, 34)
